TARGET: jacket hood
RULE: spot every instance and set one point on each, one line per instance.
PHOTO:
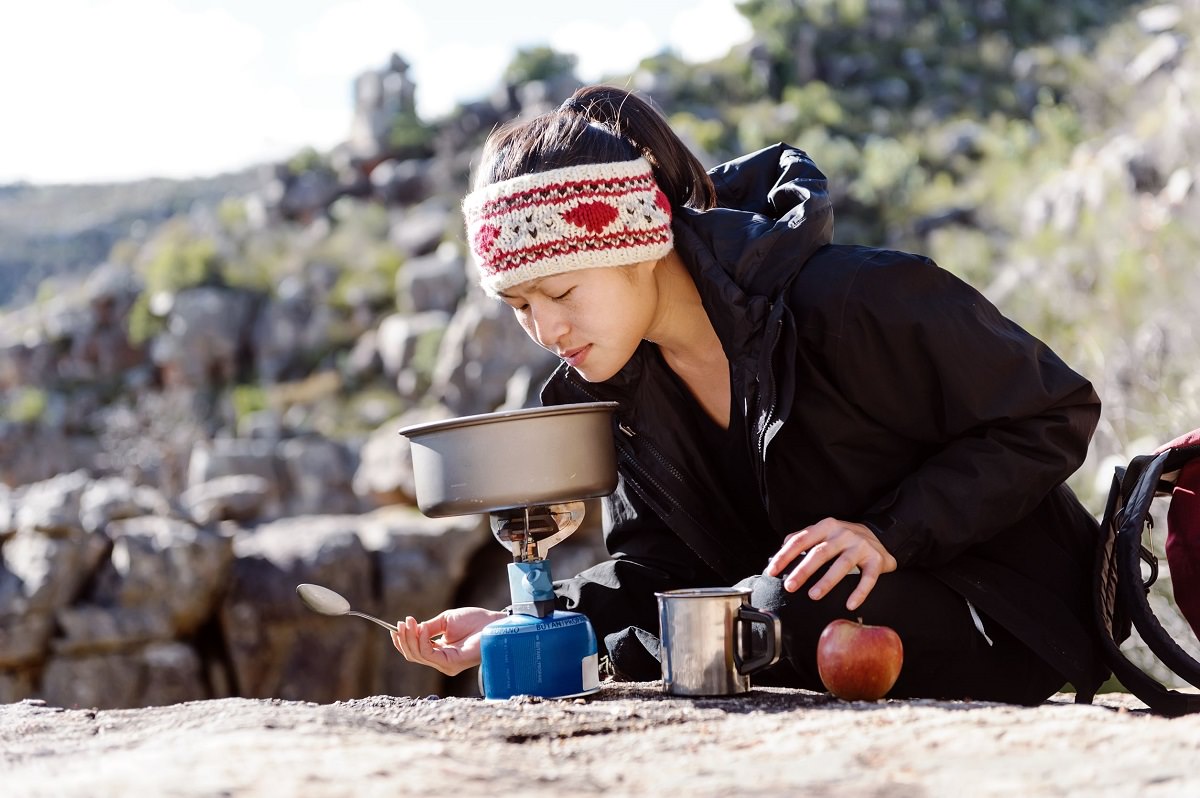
(773, 213)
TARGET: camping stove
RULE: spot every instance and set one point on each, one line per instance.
(564, 455)
(537, 650)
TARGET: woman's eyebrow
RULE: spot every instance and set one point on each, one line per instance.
(532, 285)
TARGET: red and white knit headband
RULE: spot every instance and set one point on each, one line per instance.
(578, 217)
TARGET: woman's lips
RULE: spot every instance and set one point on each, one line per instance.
(574, 357)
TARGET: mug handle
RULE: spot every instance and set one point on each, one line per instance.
(770, 653)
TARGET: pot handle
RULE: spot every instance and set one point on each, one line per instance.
(770, 653)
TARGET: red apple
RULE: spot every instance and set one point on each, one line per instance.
(857, 661)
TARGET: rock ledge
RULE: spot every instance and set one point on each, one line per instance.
(629, 739)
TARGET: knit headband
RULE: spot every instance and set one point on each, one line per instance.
(577, 217)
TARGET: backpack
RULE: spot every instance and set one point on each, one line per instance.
(1172, 472)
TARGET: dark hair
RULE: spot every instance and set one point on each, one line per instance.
(598, 124)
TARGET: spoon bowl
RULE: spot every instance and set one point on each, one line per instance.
(328, 602)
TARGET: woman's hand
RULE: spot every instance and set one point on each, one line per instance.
(845, 545)
(458, 648)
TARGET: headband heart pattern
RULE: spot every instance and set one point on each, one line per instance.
(577, 217)
(595, 216)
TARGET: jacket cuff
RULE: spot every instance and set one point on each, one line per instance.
(899, 538)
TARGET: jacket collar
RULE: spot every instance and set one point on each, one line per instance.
(774, 212)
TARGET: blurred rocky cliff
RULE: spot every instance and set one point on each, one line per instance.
(201, 392)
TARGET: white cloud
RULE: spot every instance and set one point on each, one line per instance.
(117, 89)
(455, 72)
(348, 38)
(128, 86)
(606, 48)
(707, 30)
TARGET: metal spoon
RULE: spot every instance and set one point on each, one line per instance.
(327, 602)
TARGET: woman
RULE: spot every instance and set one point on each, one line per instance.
(849, 431)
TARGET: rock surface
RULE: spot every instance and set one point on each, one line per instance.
(629, 739)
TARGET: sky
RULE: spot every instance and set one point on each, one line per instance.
(114, 90)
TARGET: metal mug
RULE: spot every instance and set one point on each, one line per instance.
(707, 646)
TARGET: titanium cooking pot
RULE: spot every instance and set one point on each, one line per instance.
(514, 458)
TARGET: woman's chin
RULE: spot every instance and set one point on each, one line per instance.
(590, 374)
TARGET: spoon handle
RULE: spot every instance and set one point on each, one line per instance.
(384, 624)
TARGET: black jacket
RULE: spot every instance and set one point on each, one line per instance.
(875, 387)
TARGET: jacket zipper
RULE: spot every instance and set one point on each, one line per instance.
(630, 433)
(761, 435)
(650, 447)
(627, 456)
(631, 461)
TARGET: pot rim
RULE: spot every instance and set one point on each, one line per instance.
(704, 592)
(461, 422)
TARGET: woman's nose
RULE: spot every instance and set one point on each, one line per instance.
(549, 324)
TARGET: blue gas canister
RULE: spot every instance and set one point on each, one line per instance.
(552, 657)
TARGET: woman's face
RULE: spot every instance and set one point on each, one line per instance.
(593, 319)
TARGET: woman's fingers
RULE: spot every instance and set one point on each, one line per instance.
(430, 652)
(406, 639)
(793, 546)
(448, 642)
(844, 547)
(416, 642)
(866, 583)
(843, 565)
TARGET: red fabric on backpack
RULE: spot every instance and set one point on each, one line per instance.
(1183, 534)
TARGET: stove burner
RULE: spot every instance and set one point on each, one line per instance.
(530, 532)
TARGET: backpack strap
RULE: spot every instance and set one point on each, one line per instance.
(1122, 593)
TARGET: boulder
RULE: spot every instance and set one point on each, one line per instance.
(422, 562)
(419, 229)
(52, 506)
(115, 498)
(237, 497)
(435, 282)
(276, 646)
(166, 564)
(44, 573)
(206, 330)
(227, 457)
(158, 674)
(399, 335)
(16, 685)
(481, 350)
(317, 475)
(385, 474)
(92, 629)
(401, 182)
(24, 639)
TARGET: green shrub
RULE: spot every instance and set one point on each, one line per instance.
(182, 260)
(26, 405)
(247, 399)
(142, 324)
(539, 63)
(409, 135)
(709, 135)
(306, 160)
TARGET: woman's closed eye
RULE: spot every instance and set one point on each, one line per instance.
(516, 303)
(563, 295)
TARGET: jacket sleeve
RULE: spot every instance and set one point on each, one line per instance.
(999, 419)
